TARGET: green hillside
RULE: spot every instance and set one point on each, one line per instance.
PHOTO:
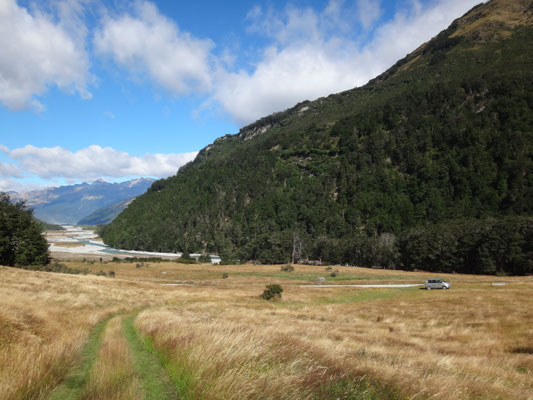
(444, 134)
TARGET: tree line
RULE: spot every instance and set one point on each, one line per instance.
(21, 239)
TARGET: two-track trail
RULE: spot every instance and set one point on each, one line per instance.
(116, 364)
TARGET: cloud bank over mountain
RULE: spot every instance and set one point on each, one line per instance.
(307, 53)
(87, 164)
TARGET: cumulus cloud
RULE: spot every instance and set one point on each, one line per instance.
(309, 58)
(37, 52)
(283, 78)
(309, 53)
(10, 171)
(13, 185)
(149, 43)
(95, 162)
(368, 12)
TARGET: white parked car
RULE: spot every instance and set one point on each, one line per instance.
(437, 284)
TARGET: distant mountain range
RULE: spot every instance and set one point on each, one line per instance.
(73, 203)
(106, 214)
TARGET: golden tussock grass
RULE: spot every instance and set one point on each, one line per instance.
(113, 376)
(457, 344)
(222, 341)
(45, 320)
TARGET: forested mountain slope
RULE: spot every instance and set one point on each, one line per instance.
(444, 134)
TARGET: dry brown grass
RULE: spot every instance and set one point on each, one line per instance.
(500, 17)
(113, 376)
(473, 341)
(448, 345)
(45, 320)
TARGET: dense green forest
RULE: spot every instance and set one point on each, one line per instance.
(444, 135)
(21, 240)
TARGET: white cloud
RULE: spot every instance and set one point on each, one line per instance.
(283, 78)
(368, 12)
(312, 53)
(37, 52)
(149, 43)
(309, 58)
(13, 185)
(95, 162)
(8, 170)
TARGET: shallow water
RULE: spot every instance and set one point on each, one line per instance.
(89, 245)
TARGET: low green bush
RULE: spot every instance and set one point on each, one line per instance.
(57, 267)
(272, 292)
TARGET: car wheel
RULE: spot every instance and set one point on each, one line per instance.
(428, 288)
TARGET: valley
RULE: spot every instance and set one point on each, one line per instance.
(81, 241)
(298, 258)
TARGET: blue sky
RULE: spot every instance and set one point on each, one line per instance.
(118, 89)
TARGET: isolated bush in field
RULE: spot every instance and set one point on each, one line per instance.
(287, 268)
(101, 273)
(272, 292)
(224, 275)
(111, 274)
(328, 269)
(333, 274)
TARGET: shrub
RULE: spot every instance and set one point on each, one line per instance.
(111, 274)
(204, 258)
(183, 260)
(229, 261)
(272, 292)
(139, 259)
(224, 275)
(287, 268)
(57, 267)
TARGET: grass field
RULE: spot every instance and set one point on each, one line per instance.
(168, 330)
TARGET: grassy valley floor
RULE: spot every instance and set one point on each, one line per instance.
(167, 330)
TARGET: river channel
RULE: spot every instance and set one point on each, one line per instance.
(76, 241)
